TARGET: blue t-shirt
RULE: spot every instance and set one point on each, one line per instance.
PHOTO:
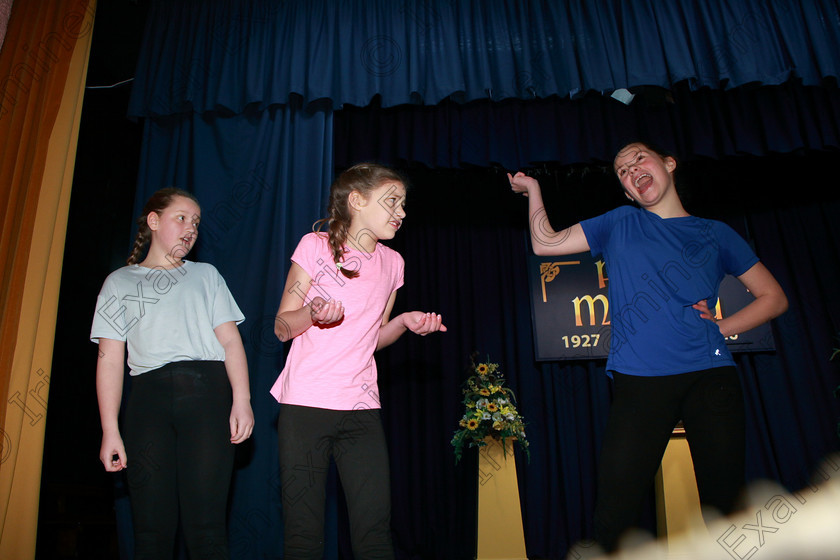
(658, 268)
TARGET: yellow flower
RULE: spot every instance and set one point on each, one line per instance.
(472, 424)
(491, 407)
(484, 392)
(482, 369)
(497, 425)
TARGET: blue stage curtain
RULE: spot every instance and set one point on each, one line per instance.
(237, 103)
(202, 56)
(262, 179)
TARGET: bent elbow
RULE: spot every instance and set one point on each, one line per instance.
(540, 250)
(282, 330)
(782, 305)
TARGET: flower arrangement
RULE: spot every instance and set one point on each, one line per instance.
(490, 411)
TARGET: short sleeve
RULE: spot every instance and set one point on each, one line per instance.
(307, 251)
(399, 278)
(597, 230)
(736, 255)
(225, 308)
(109, 318)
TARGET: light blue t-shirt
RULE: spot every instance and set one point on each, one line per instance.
(658, 268)
(165, 315)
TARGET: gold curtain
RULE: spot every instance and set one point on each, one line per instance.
(43, 64)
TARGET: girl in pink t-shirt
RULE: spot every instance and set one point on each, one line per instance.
(336, 309)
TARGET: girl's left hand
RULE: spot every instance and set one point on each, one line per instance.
(423, 323)
(705, 313)
(241, 421)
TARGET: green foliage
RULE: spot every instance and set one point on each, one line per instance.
(489, 411)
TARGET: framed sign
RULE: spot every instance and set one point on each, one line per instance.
(570, 309)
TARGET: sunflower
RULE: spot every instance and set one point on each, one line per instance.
(489, 410)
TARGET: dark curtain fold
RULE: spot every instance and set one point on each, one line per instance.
(262, 178)
(425, 51)
(517, 134)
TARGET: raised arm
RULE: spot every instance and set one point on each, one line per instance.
(770, 302)
(109, 387)
(544, 239)
(236, 364)
(295, 315)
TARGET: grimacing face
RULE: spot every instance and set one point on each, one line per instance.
(383, 209)
(645, 175)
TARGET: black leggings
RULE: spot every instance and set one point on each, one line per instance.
(177, 439)
(642, 417)
(356, 441)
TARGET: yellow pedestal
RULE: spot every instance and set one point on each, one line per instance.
(500, 533)
(677, 500)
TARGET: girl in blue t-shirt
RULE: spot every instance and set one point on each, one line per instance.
(668, 356)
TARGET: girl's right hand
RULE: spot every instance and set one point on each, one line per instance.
(112, 453)
(326, 312)
(521, 183)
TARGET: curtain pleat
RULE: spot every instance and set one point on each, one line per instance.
(39, 121)
(517, 134)
(425, 51)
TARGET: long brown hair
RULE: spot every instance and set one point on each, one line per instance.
(363, 178)
(157, 203)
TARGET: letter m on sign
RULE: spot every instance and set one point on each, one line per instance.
(590, 304)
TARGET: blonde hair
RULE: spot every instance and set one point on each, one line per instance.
(157, 203)
(363, 178)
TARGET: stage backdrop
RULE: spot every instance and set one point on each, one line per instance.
(238, 95)
(570, 309)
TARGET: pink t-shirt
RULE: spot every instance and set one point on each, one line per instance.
(333, 367)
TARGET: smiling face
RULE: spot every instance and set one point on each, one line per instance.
(174, 230)
(380, 213)
(646, 176)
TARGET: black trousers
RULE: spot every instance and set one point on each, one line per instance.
(642, 417)
(356, 441)
(180, 458)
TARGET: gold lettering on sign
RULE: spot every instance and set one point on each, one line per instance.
(549, 271)
(590, 302)
(602, 279)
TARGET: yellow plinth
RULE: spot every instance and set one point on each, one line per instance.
(500, 533)
(677, 500)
